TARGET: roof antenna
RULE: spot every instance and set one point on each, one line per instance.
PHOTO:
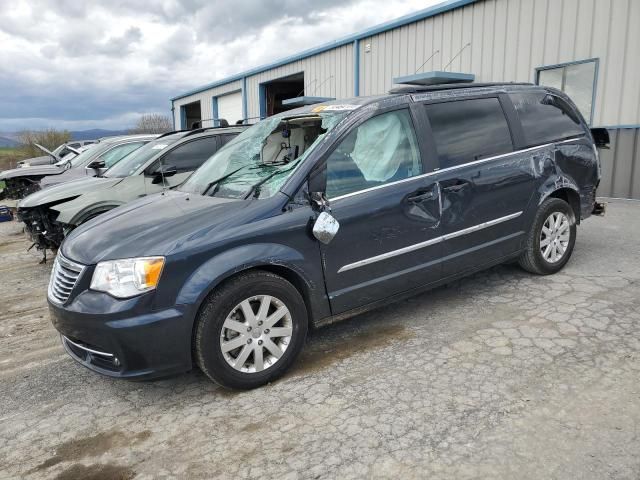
(425, 62)
(318, 86)
(455, 56)
(305, 86)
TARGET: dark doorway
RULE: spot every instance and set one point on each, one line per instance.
(191, 115)
(275, 91)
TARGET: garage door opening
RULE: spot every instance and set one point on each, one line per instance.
(274, 92)
(191, 115)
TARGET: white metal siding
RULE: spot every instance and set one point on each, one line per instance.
(206, 103)
(510, 38)
(230, 107)
(317, 72)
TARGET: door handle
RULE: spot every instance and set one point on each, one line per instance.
(456, 187)
(421, 197)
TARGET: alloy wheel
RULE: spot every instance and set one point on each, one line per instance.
(256, 333)
(554, 237)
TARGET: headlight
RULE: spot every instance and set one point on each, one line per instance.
(128, 277)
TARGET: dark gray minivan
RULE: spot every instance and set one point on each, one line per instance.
(320, 213)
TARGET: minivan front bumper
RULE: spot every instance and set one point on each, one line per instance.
(144, 346)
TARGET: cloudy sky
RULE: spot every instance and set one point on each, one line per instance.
(81, 64)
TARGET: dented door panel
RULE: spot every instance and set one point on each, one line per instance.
(485, 205)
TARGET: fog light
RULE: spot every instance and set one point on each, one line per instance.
(116, 362)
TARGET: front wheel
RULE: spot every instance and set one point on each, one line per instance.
(250, 331)
(551, 238)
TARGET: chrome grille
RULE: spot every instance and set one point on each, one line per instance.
(64, 275)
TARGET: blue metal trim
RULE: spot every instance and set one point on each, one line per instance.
(620, 127)
(214, 110)
(262, 100)
(244, 98)
(383, 27)
(304, 100)
(536, 77)
(183, 117)
(435, 77)
(356, 68)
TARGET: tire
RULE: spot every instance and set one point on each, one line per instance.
(225, 322)
(549, 261)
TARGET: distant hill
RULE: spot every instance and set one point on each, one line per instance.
(95, 133)
(7, 142)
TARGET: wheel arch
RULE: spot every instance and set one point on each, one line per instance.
(278, 259)
(93, 210)
(571, 197)
(565, 188)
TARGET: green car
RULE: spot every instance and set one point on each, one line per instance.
(50, 214)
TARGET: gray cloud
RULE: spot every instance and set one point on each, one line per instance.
(70, 62)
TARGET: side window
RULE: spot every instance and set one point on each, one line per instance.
(381, 150)
(545, 118)
(189, 156)
(469, 130)
(117, 153)
(224, 139)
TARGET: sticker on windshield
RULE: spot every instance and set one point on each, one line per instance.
(334, 108)
(160, 146)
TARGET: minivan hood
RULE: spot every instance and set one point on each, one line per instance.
(36, 171)
(66, 190)
(158, 224)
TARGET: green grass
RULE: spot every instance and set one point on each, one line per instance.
(10, 156)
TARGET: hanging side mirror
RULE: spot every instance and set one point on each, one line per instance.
(325, 227)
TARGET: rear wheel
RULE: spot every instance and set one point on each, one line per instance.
(551, 238)
(250, 331)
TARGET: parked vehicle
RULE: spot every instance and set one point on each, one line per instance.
(320, 213)
(165, 162)
(20, 182)
(65, 151)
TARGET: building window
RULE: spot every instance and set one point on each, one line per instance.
(576, 79)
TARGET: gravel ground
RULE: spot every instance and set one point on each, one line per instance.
(501, 375)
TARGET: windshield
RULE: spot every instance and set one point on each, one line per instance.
(132, 162)
(259, 160)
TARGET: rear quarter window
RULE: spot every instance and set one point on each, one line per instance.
(545, 118)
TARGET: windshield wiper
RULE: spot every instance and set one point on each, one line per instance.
(255, 188)
(218, 180)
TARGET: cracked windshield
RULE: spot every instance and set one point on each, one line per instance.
(258, 162)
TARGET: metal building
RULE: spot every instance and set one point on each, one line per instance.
(588, 48)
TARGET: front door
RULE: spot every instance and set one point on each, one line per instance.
(486, 186)
(388, 210)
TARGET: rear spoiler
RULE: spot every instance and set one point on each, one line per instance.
(600, 137)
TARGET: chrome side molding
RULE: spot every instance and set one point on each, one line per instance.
(427, 243)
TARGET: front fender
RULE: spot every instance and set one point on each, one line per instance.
(267, 255)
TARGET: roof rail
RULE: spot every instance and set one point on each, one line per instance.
(171, 133)
(206, 129)
(450, 86)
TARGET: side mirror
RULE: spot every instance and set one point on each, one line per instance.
(600, 137)
(96, 164)
(325, 227)
(162, 172)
